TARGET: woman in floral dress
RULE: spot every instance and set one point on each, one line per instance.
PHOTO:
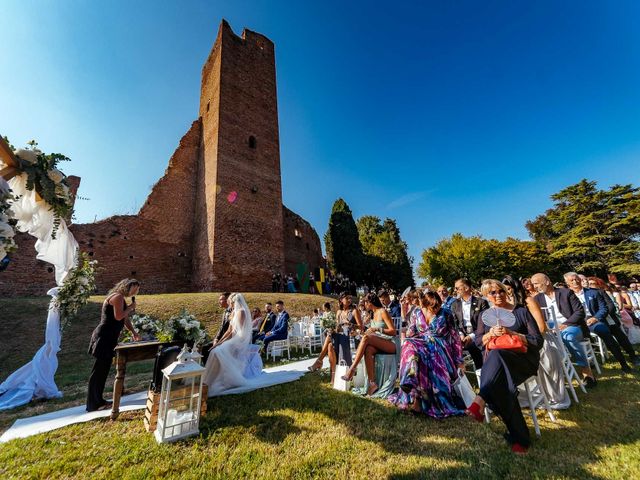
(429, 361)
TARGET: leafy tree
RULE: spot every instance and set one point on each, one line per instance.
(342, 243)
(477, 258)
(592, 230)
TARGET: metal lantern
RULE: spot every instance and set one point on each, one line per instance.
(181, 398)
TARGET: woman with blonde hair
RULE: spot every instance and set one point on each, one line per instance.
(104, 339)
(507, 363)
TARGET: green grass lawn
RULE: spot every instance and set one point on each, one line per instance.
(303, 429)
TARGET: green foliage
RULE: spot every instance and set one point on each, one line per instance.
(77, 287)
(477, 258)
(48, 182)
(386, 252)
(344, 251)
(592, 230)
(371, 251)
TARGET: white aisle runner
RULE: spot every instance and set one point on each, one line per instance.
(25, 427)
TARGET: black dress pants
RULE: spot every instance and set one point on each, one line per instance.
(623, 340)
(604, 332)
(502, 372)
(97, 380)
(476, 354)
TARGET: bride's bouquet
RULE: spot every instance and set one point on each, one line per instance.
(328, 321)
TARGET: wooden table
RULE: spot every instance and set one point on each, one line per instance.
(131, 352)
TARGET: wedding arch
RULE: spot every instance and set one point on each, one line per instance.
(35, 198)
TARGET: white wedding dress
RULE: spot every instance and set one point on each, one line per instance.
(235, 366)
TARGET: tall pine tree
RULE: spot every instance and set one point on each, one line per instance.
(592, 230)
(344, 251)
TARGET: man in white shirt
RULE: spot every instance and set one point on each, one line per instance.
(467, 310)
(565, 309)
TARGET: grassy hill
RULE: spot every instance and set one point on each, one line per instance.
(303, 429)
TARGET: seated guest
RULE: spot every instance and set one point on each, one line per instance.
(595, 307)
(391, 306)
(337, 344)
(503, 370)
(569, 316)
(256, 319)
(377, 339)
(615, 316)
(466, 310)
(550, 372)
(104, 339)
(429, 361)
(268, 321)
(280, 330)
(447, 300)
(528, 286)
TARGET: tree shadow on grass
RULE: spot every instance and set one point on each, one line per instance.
(452, 448)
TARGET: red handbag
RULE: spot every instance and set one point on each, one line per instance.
(507, 342)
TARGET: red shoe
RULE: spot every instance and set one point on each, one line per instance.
(519, 449)
(475, 411)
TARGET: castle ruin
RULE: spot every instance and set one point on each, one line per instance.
(215, 220)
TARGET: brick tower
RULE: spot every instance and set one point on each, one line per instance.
(238, 187)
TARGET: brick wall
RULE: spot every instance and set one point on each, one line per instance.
(190, 235)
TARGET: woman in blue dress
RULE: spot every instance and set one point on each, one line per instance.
(430, 357)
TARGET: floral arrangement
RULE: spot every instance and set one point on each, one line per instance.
(183, 327)
(76, 289)
(148, 327)
(49, 182)
(7, 232)
(328, 321)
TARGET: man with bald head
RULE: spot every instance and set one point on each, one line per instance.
(565, 308)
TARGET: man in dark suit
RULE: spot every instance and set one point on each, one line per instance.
(564, 307)
(595, 307)
(393, 307)
(280, 330)
(467, 310)
(267, 323)
(226, 316)
(613, 322)
(447, 300)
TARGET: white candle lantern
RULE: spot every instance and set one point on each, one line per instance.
(180, 399)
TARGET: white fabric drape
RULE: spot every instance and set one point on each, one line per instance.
(36, 378)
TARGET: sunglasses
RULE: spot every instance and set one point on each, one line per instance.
(495, 293)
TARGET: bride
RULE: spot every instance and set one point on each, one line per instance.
(234, 364)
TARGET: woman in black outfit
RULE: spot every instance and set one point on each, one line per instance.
(504, 370)
(115, 315)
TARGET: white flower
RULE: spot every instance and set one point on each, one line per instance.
(56, 175)
(29, 156)
(84, 281)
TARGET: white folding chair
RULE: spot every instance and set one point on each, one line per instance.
(277, 348)
(568, 369)
(590, 354)
(536, 396)
(296, 335)
(602, 349)
(313, 337)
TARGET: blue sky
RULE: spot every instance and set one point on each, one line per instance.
(447, 116)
